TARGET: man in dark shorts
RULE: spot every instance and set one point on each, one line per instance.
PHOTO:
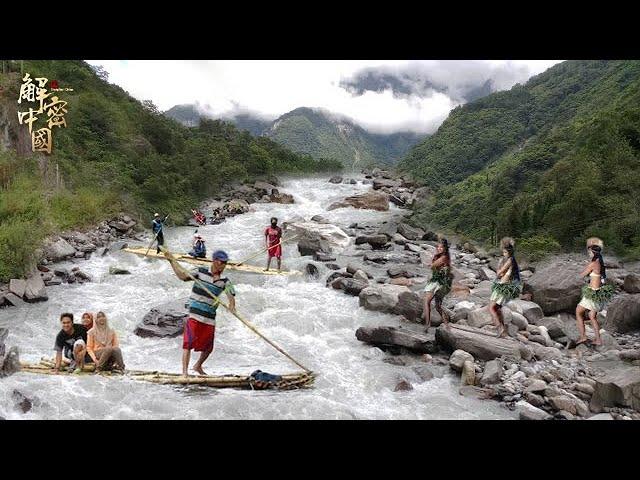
(156, 226)
(71, 342)
(199, 329)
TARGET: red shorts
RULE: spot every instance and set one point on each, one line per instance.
(275, 251)
(198, 336)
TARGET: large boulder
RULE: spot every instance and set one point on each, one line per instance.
(458, 358)
(619, 387)
(11, 362)
(376, 241)
(379, 183)
(397, 337)
(381, 298)
(350, 286)
(492, 372)
(35, 290)
(480, 344)
(410, 305)
(370, 200)
(264, 188)
(323, 237)
(166, 320)
(526, 411)
(555, 286)
(384, 257)
(17, 287)
(632, 283)
(409, 232)
(281, 198)
(530, 310)
(335, 179)
(388, 228)
(623, 314)
(58, 250)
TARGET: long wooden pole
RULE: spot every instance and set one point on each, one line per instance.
(173, 259)
(265, 249)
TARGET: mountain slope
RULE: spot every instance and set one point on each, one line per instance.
(317, 133)
(550, 162)
(116, 154)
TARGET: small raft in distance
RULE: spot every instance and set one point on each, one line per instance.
(181, 257)
(289, 381)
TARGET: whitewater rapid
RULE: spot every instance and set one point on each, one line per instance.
(315, 324)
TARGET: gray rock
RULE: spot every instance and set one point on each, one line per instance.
(526, 411)
(555, 286)
(424, 373)
(381, 298)
(35, 290)
(601, 416)
(379, 183)
(11, 363)
(396, 337)
(166, 320)
(623, 314)
(618, 387)
(487, 274)
(323, 257)
(118, 271)
(53, 282)
(530, 310)
(409, 232)
(388, 229)
(17, 287)
(371, 201)
(13, 299)
(632, 283)
(630, 355)
(481, 345)
(468, 376)
(335, 179)
(403, 386)
(376, 241)
(320, 219)
(492, 372)
(533, 399)
(535, 385)
(350, 286)
(362, 276)
(58, 250)
(311, 270)
(411, 306)
(553, 325)
(519, 320)
(479, 317)
(82, 276)
(458, 359)
(399, 239)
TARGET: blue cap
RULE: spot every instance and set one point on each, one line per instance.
(220, 255)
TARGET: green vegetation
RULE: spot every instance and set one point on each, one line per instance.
(551, 162)
(117, 154)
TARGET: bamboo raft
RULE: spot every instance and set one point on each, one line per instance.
(206, 262)
(289, 381)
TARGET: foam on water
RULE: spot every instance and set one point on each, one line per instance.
(315, 324)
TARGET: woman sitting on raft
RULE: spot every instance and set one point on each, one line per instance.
(507, 286)
(440, 283)
(596, 295)
(103, 345)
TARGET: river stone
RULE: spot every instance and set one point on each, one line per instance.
(555, 286)
(399, 239)
(58, 250)
(424, 373)
(335, 179)
(492, 372)
(526, 411)
(481, 345)
(13, 299)
(17, 287)
(535, 385)
(361, 275)
(323, 257)
(311, 270)
(409, 305)
(619, 387)
(468, 376)
(350, 286)
(264, 188)
(630, 355)
(166, 320)
(325, 238)
(376, 241)
(601, 416)
(389, 229)
(403, 386)
(371, 201)
(397, 337)
(11, 363)
(519, 320)
(487, 274)
(118, 271)
(623, 314)
(35, 290)
(381, 298)
(320, 219)
(533, 399)
(21, 402)
(458, 359)
(530, 310)
(631, 283)
(409, 232)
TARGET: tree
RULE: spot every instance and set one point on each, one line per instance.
(100, 72)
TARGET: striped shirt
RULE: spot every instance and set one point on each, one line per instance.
(201, 306)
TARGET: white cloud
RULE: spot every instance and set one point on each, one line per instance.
(271, 88)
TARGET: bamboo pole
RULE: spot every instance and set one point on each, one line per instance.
(265, 249)
(171, 258)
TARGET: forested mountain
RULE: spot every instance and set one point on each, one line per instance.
(550, 162)
(319, 134)
(116, 154)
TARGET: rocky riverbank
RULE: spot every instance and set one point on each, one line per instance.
(538, 370)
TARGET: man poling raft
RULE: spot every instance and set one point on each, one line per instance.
(596, 294)
(507, 285)
(156, 227)
(211, 284)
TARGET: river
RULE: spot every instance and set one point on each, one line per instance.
(315, 324)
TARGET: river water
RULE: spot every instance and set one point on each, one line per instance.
(315, 324)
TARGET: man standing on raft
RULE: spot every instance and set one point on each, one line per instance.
(199, 329)
(157, 225)
(273, 236)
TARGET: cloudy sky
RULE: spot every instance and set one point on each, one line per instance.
(382, 96)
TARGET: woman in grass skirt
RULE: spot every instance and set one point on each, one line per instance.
(596, 294)
(507, 285)
(440, 283)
